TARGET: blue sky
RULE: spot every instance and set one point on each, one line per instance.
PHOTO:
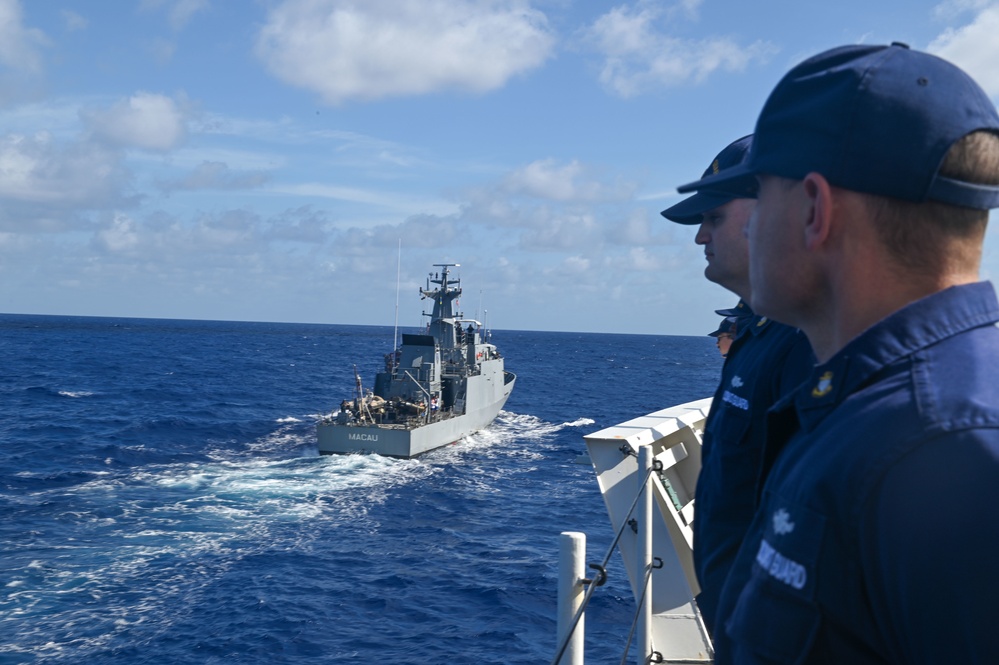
(263, 160)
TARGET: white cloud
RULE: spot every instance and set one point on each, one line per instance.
(145, 120)
(39, 171)
(330, 191)
(639, 56)
(73, 21)
(182, 11)
(302, 224)
(952, 8)
(974, 48)
(60, 118)
(639, 258)
(636, 228)
(221, 238)
(548, 206)
(19, 46)
(576, 265)
(369, 50)
(216, 175)
(179, 12)
(545, 179)
(120, 235)
(392, 202)
(559, 230)
(249, 160)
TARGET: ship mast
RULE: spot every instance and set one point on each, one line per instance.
(395, 331)
(442, 317)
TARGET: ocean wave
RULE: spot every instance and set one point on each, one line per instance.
(75, 394)
(528, 427)
(53, 392)
(286, 439)
(505, 437)
(279, 486)
(169, 533)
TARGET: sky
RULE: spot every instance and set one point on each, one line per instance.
(310, 160)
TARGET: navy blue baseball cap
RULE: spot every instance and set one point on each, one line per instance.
(872, 119)
(727, 326)
(741, 310)
(689, 210)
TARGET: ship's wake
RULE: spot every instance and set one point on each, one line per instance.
(161, 535)
(511, 434)
(164, 536)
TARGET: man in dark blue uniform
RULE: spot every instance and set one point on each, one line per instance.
(877, 539)
(765, 361)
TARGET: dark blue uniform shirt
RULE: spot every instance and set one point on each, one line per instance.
(877, 540)
(766, 360)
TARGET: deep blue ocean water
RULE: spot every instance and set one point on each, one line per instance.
(163, 500)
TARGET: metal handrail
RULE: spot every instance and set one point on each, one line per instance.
(638, 608)
(601, 568)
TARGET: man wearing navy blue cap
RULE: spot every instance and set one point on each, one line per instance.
(765, 361)
(877, 540)
(725, 335)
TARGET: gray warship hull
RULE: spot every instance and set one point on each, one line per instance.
(493, 388)
(437, 387)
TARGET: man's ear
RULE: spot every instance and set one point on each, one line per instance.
(819, 222)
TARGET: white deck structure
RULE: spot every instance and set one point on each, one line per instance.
(675, 629)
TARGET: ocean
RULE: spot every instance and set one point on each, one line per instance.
(163, 500)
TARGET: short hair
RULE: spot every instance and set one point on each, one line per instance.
(915, 233)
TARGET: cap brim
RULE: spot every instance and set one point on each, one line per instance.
(689, 210)
(726, 327)
(736, 182)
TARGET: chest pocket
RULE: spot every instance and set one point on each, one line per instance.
(732, 428)
(726, 428)
(776, 616)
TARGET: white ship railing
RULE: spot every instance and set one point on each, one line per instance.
(647, 471)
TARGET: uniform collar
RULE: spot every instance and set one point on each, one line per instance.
(912, 328)
(747, 319)
(757, 324)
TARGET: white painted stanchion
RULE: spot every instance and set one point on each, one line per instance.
(571, 566)
(644, 551)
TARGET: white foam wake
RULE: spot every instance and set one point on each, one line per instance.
(75, 393)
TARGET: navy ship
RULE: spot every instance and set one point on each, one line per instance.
(437, 386)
